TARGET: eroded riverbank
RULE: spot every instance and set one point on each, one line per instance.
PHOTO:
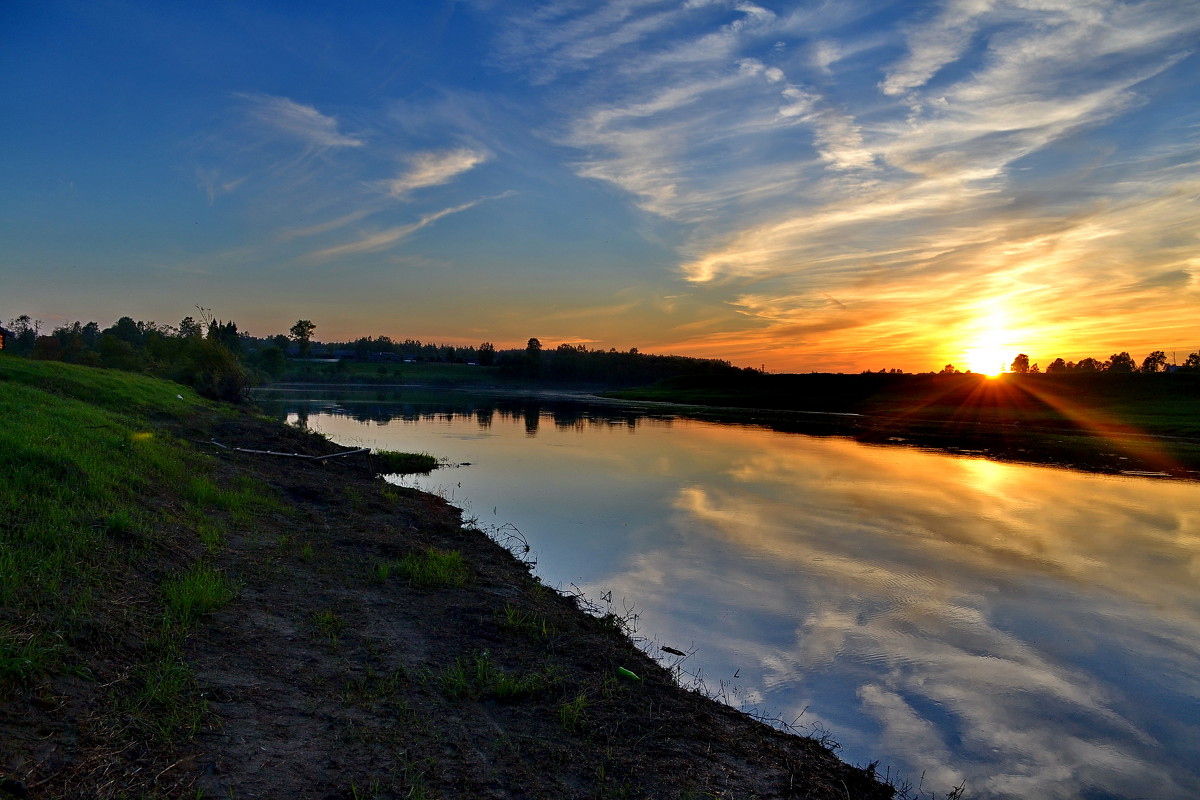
(353, 662)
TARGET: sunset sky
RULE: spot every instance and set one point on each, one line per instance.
(842, 185)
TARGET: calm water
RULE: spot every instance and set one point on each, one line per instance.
(1033, 632)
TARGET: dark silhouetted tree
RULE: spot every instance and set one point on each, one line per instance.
(487, 354)
(1121, 362)
(1020, 364)
(189, 328)
(1155, 362)
(302, 333)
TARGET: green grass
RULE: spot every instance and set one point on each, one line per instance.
(479, 677)
(389, 462)
(24, 657)
(95, 494)
(167, 702)
(78, 461)
(526, 623)
(330, 626)
(198, 591)
(573, 713)
(429, 569)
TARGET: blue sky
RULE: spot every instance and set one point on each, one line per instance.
(806, 185)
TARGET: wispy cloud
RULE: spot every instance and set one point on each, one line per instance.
(299, 121)
(901, 202)
(389, 237)
(435, 168)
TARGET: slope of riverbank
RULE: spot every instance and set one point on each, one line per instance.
(183, 618)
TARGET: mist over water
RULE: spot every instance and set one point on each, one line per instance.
(1030, 631)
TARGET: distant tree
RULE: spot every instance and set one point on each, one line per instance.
(302, 333)
(189, 328)
(1057, 365)
(1192, 362)
(487, 354)
(1121, 362)
(91, 335)
(1020, 364)
(126, 330)
(533, 357)
(1035, 369)
(949, 369)
(1090, 364)
(1155, 362)
(25, 334)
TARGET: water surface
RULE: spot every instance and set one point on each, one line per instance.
(1032, 632)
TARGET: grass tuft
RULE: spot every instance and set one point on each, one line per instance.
(196, 592)
(389, 462)
(479, 677)
(432, 568)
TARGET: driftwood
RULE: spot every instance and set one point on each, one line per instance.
(355, 451)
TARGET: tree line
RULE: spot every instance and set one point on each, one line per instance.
(1156, 361)
(222, 362)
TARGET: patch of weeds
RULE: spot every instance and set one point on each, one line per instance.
(528, 623)
(168, 702)
(573, 713)
(211, 536)
(120, 525)
(306, 552)
(479, 677)
(373, 688)
(434, 567)
(389, 462)
(369, 792)
(204, 493)
(24, 657)
(381, 570)
(412, 774)
(357, 501)
(196, 592)
(330, 626)
(611, 687)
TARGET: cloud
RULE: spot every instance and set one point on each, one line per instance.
(384, 239)
(435, 168)
(298, 121)
(936, 44)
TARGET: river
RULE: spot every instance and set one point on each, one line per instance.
(1023, 630)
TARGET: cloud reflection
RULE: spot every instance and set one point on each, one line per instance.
(979, 614)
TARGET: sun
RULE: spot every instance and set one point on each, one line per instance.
(989, 341)
(987, 360)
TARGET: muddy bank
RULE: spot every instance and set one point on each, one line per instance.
(361, 658)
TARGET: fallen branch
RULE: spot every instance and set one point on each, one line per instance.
(355, 451)
(301, 455)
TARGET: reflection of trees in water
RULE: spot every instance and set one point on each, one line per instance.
(383, 407)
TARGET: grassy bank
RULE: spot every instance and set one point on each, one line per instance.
(188, 613)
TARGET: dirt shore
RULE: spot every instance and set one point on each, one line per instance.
(336, 674)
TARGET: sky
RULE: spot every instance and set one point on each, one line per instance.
(828, 186)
